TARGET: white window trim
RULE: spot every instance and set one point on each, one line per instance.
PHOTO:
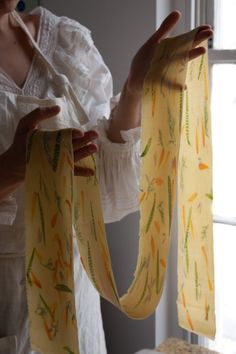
(202, 13)
(217, 56)
(194, 14)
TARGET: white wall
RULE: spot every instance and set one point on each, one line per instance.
(118, 28)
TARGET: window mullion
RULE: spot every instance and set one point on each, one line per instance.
(202, 12)
(221, 56)
(224, 220)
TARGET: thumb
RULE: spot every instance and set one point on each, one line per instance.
(31, 120)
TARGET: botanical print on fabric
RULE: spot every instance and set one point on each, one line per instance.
(175, 144)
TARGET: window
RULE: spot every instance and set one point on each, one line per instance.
(222, 58)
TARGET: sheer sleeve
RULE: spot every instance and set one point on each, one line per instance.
(8, 209)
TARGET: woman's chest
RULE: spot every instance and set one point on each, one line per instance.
(17, 53)
(15, 62)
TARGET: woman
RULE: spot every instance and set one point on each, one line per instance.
(64, 47)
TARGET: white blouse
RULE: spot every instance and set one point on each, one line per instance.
(69, 47)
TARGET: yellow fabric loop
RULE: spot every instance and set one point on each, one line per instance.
(57, 202)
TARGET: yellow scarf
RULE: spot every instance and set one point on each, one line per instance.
(175, 143)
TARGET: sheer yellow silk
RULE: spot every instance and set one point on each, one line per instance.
(195, 302)
(173, 119)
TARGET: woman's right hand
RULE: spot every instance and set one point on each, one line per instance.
(13, 161)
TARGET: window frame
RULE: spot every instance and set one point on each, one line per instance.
(202, 12)
(194, 13)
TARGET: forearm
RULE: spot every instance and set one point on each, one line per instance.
(8, 180)
(127, 115)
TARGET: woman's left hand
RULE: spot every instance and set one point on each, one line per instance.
(141, 61)
(127, 114)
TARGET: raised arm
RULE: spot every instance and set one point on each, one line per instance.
(127, 114)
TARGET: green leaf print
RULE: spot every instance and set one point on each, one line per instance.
(141, 267)
(93, 222)
(186, 239)
(158, 273)
(206, 119)
(187, 119)
(209, 196)
(29, 146)
(42, 219)
(181, 97)
(47, 307)
(68, 350)
(169, 201)
(171, 127)
(200, 67)
(30, 267)
(151, 214)
(147, 147)
(144, 291)
(57, 150)
(91, 268)
(62, 287)
(196, 280)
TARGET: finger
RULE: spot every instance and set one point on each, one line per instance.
(31, 120)
(202, 36)
(81, 171)
(204, 27)
(87, 138)
(85, 151)
(196, 52)
(166, 26)
(76, 133)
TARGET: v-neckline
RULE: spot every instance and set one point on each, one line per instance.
(28, 75)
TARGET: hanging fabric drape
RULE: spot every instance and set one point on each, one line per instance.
(175, 142)
(196, 307)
